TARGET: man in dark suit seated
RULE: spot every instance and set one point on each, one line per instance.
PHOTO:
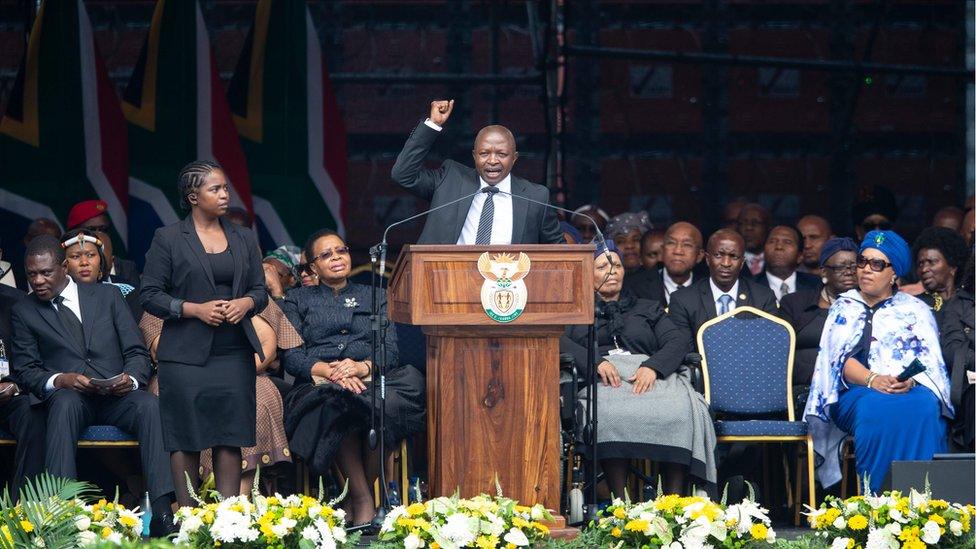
(490, 217)
(68, 337)
(27, 424)
(782, 254)
(725, 289)
(681, 256)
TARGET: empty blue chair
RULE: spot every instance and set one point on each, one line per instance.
(747, 369)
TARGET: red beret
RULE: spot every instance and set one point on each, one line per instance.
(83, 211)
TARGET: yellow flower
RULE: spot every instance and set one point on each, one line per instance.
(857, 522)
(486, 542)
(106, 532)
(909, 534)
(636, 525)
(416, 509)
(540, 527)
(667, 503)
(758, 531)
(939, 504)
(434, 545)
(208, 517)
(127, 521)
(98, 516)
(616, 532)
(520, 522)
(620, 513)
(937, 519)
(850, 543)
(914, 544)
(26, 526)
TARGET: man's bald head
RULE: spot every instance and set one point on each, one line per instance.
(683, 227)
(495, 129)
(726, 234)
(494, 153)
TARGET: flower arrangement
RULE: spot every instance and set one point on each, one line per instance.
(106, 521)
(275, 521)
(55, 512)
(484, 522)
(676, 522)
(893, 520)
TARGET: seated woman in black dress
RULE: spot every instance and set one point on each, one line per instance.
(327, 413)
(646, 405)
(806, 310)
(940, 257)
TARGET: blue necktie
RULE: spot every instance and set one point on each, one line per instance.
(483, 236)
(725, 301)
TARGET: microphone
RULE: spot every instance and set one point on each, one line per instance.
(381, 247)
(600, 240)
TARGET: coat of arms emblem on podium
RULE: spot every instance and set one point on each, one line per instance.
(503, 294)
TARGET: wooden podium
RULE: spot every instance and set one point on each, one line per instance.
(492, 387)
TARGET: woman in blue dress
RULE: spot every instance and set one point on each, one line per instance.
(871, 335)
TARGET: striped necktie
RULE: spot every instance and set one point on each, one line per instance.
(483, 237)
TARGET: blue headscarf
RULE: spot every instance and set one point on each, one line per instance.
(834, 245)
(611, 247)
(893, 246)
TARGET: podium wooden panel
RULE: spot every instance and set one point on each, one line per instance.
(492, 388)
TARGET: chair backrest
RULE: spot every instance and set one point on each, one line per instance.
(747, 362)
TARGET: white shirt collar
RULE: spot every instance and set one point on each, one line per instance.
(717, 292)
(670, 285)
(70, 292)
(505, 185)
(776, 283)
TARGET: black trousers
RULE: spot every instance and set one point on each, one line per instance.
(28, 426)
(137, 412)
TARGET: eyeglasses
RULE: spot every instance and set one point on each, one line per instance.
(842, 268)
(879, 226)
(338, 250)
(877, 265)
(99, 228)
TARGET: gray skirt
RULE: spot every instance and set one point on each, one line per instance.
(669, 423)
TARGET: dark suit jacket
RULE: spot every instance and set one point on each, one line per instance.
(126, 271)
(177, 269)
(43, 346)
(649, 284)
(533, 224)
(694, 305)
(804, 281)
(8, 298)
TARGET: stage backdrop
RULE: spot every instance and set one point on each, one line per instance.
(289, 123)
(62, 136)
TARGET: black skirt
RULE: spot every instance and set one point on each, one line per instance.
(318, 417)
(210, 405)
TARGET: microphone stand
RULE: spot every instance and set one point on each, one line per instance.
(378, 324)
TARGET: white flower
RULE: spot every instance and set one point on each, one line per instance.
(279, 530)
(896, 515)
(339, 534)
(853, 506)
(916, 499)
(314, 510)
(931, 533)
(770, 536)
(391, 518)
(955, 527)
(894, 528)
(310, 533)
(881, 539)
(82, 523)
(339, 514)
(840, 523)
(113, 538)
(517, 537)
(459, 529)
(136, 519)
(87, 538)
(538, 512)
(673, 545)
(351, 302)
(413, 541)
(840, 543)
(191, 524)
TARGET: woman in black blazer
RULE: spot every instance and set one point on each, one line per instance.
(203, 276)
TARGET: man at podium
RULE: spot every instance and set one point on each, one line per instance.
(501, 213)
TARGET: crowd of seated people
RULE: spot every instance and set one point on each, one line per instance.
(286, 371)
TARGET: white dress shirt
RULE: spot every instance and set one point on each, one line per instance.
(776, 284)
(717, 293)
(70, 295)
(501, 224)
(670, 286)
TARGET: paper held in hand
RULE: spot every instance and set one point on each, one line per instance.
(105, 383)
